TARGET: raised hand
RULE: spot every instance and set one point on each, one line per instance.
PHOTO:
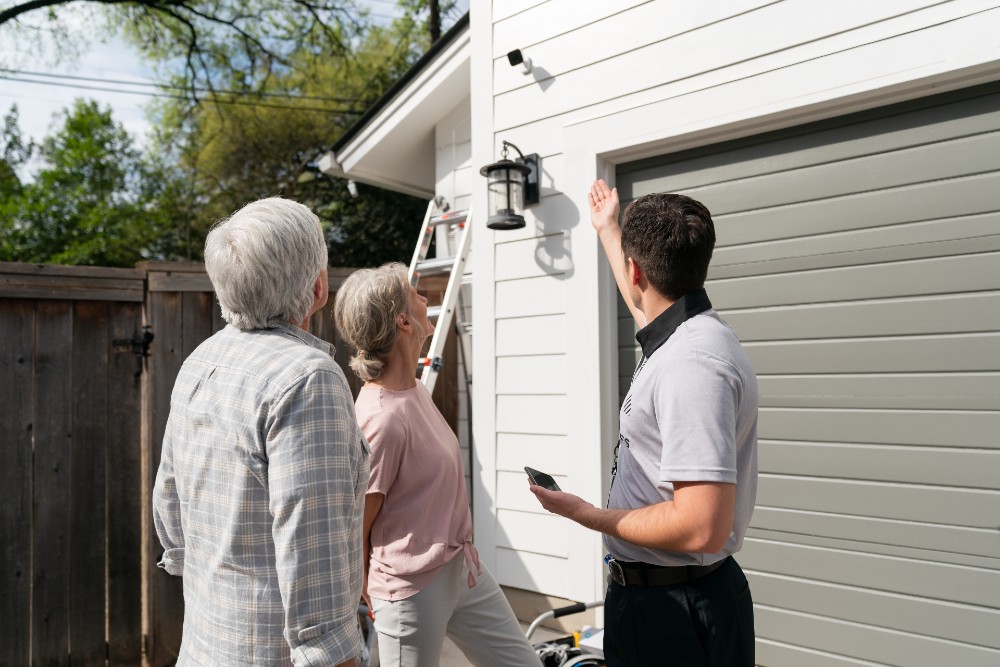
(603, 206)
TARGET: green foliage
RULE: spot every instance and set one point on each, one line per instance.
(376, 227)
(228, 141)
(93, 202)
(235, 154)
(13, 153)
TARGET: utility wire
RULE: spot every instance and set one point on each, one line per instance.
(179, 97)
(164, 86)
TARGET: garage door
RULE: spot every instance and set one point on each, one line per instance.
(859, 261)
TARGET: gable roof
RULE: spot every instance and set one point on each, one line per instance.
(392, 144)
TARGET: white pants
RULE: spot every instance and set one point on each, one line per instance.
(479, 620)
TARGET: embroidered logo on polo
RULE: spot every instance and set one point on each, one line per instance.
(627, 405)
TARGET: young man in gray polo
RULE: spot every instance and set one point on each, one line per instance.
(685, 476)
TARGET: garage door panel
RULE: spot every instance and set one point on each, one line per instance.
(966, 352)
(867, 642)
(970, 195)
(971, 508)
(867, 173)
(943, 428)
(885, 547)
(884, 134)
(956, 622)
(878, 244)
(952, 313)
(939, 466)
(963, 391)
(943, 540)
(951, 583)
(780, 654)
(969, 246)
(918, 277)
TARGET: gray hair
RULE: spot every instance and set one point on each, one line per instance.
(367, 309)
(263, 262)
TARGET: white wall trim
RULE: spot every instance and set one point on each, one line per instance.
(789, 112)
(484, 473)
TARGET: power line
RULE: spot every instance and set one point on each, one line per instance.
(179, 97)
(164, 86)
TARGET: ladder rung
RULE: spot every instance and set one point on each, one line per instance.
(431, 266)
(435, 364)
(453, 218)
(434, 311)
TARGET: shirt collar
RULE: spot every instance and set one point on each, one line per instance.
(656, 333)
(306, 337)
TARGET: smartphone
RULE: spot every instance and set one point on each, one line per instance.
(541, 479)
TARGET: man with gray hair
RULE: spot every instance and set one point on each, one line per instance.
(259, 495)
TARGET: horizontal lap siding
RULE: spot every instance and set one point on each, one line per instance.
(859, 261)
(454, 180)
(532, 411)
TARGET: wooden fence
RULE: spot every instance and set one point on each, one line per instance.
(82, 416)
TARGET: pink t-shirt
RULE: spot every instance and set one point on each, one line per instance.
(416, 462)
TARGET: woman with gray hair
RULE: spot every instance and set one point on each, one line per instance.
(423, 579)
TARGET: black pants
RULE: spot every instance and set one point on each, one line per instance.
(707, 622)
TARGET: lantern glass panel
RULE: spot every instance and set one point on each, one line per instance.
(506, 192)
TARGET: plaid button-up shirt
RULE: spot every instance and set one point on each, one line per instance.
(258, 501)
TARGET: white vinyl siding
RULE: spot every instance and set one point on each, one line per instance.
(453, 180)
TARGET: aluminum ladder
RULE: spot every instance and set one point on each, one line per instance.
(452, 305)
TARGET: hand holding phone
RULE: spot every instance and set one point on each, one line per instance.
(541, 479)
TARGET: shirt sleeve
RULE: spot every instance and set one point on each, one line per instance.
(696, 409)
(386, 436)
(313, 481)
(167, 510)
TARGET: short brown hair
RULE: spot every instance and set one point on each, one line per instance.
(671, 238)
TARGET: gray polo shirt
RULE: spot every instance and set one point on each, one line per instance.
(689, 416)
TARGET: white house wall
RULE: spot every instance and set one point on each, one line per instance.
(614, 82)
(453, 181)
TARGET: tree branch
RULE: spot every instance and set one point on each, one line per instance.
(25, 7)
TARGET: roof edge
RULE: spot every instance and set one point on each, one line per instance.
(437, 47)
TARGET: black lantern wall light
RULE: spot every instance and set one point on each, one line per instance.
(511, 185)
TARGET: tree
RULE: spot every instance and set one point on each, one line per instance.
(269, 84)
(14, 153)
(235, 154)
(94, 202)
(201, 38)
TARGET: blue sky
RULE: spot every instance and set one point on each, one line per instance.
(38, 103)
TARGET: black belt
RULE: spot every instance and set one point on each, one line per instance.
(626, 573)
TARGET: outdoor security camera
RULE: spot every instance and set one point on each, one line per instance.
(516, 58)
(352, 188)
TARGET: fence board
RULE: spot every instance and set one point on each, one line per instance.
(179, 282)
(197, 320)
(165, 603)
(87, 481)
(16, 324)
(52, 421)
(123, 492)
(87, 272)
